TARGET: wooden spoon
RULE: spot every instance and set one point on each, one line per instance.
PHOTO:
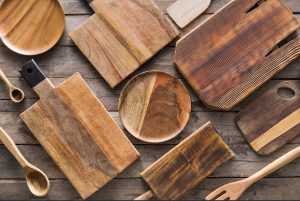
(16, 94)
(37, 181)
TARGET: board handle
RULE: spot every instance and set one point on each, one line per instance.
(146, 196)
(32, 73)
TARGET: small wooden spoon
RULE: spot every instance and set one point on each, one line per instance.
(16, 94)
(37, 181)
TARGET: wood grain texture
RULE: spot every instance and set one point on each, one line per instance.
(270, 121)
(79, 135)
(154, 106)
(122, 35)
(226, 64)
(31, 27)
(187, 164)
(184, 12)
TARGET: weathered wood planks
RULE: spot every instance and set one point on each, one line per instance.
(227, 64)
(122, 35)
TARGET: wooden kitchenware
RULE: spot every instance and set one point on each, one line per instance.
(76, 130)
(234, 190)
(154, 106)
(37, 181)
(122, 35)
(184, 12)
(31, 27)
(15, 94)
(237, 50)
(187, 164)
(271, 120)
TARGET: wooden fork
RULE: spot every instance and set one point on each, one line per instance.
(233, 191)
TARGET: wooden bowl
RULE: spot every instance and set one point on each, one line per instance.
(31, 27)
(154, 106)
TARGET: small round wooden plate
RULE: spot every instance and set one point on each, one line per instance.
(154, 106)
(31, 27)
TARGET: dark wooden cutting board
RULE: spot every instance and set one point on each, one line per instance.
(187, 164)
(76, 131)
(234, 52)
(122, 35)
(271, 120)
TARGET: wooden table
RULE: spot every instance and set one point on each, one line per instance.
(65, 59)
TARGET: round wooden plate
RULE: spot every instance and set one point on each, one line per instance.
(31, 27)
(154, 106)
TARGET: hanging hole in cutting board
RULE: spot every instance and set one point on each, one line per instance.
(259, 3)
(286, 93)
(285, 41)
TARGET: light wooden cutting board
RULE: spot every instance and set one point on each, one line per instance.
(122, 36)
(234, 52)
(76, 131)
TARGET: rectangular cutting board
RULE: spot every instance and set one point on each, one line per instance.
(122, 36)
(273, 119)
(237, 50)
(76, 131)
(187, 164)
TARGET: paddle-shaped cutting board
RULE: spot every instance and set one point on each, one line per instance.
(76, 130)
(187, 164)
(273, 119)
(234, 52)
(122, 35)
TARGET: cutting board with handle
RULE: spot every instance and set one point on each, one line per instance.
(122, 35)
(186, 165)
(273, 119)
(237, 50)
(76, 131)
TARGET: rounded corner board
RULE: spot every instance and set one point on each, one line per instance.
(226, 60)
(80, 136)
(273, 119)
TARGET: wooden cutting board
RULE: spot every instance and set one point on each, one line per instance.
(76, 130)
(271, 120)
(187, 164)
(122, 35)
(234, 52)
(184, 12)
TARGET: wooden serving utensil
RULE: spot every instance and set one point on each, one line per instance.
(233, 191)
(37, 181)
(16, 94)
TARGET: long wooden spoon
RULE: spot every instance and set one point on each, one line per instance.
(37, 181)
(233, 191)
(16, 94)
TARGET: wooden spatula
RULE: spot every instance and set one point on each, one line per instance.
(186, 165)
(234, 190)
(184, 12)
(237, 50)
(76, 130)
(272, 119)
